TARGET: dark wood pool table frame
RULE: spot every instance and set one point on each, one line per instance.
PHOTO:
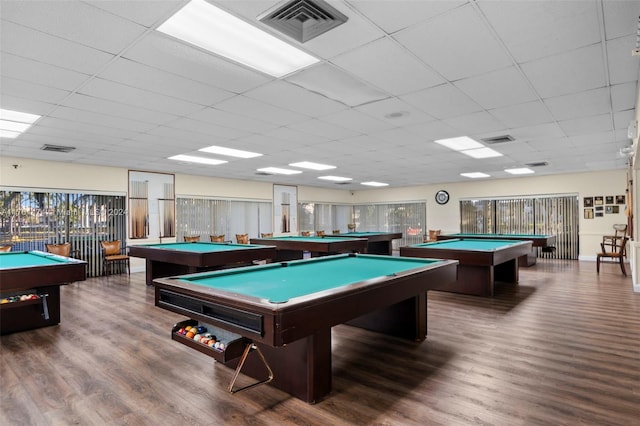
(293, 249)
(478, 269)
(295, 337)
(44, 280)
(377, 243)
(161, 262)
(529, 260)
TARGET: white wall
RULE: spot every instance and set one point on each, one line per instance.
(67, 176)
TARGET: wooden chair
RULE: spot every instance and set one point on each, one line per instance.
(63, 249)
(613, 248)
(305, 233)
(242, 238)
(431, 236)
(351, 227)
(192, 239)
(319, 233)
(336, 232)
(217, 238)
(266, 235)
(5, 248)
(113, 253)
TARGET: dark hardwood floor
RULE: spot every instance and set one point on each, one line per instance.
(562, 348)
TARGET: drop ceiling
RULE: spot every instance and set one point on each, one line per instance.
(557, 76)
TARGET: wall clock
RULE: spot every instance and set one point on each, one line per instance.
(442, 197)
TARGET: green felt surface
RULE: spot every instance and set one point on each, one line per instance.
(310, 239)
(361, 234)
(28, 259)
(484, 245)
(278, 283)
(201, 247)
(498, 236)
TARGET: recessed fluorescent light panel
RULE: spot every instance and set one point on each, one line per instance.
(230, 152)
(374, 184)
(279, 171)
(195, 159)
(475, 175)
(481, 153)
(335, 178)
(312, 166)
(13, 123)
(460, 144)
(204, 25)
(520, 171)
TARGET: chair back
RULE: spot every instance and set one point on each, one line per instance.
(351, 227)
(63, 249)
(5, 248)
(110, 247)
(432, 235)
(217, 238)
(336, 232)
(319, 233)
(305, 233)
(613, 246)
(266, 234)
(242, 238)
(192, 239)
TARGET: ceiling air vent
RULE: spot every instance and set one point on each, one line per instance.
(264, 174)
(303, 20)
(498, 139)
(537, 164)
(342, 183)
(57, 148)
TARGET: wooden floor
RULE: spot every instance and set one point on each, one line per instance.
(562, 348)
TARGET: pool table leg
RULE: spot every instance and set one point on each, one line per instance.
(301, 368)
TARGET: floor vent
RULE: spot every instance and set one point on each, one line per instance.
(303, 20)
(57, 148)
(498, 139)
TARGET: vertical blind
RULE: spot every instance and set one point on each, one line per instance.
(205, 217)
(29, 220)
(408, 218)
(555, 215)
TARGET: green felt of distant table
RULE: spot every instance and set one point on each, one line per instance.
(40, 273)
(482, 261)
(293, 247)
(378, 242)
(166, 259)
(539, 240)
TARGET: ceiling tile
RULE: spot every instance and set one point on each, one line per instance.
(395, 15)
(497, 88)
(623, 67)
(130, 73)
(533, 29)
(336, 84)
(395, 111)
(40, 73)
(444, 101)
(145, 12)
(168, 54)
(571, 72)
(75, 21)
(468, 48)
(591, 102)
(322, 128)
(357, 121)
(585, 125)
(388, 66)
(475, 123)
(623, 96)
(294, 98)
(35, 45)
(26, 90)
(620, 17)
(528, 113)
(252, 108)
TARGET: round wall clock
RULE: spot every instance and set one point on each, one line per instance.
(442, 197)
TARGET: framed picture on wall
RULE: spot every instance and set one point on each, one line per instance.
(598, 201)
(588, 213)
(599, 214)
(588, 201)
(608, 199)
(285, 209)
(619, 199)
(599, 208)
(615, 209)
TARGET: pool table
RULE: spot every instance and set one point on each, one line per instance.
(377, 242)
(293, 247)
(482, 262)
(536, 239)
(167, 259)
(39, 273)
(287, 309)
